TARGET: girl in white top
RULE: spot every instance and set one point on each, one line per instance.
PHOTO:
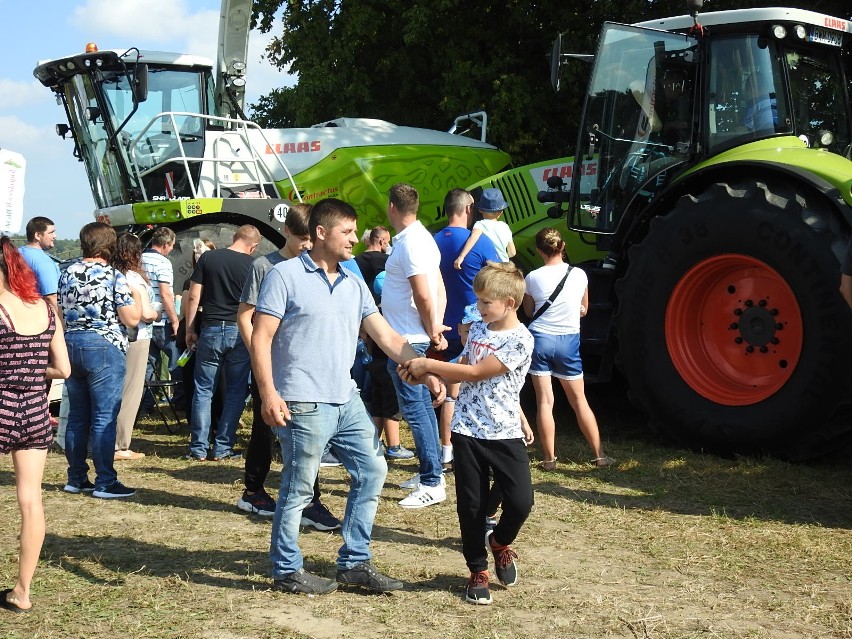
(557, 344)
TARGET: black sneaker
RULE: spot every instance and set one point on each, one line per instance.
(364, 574)
(318, 516)
(477, 591)
(258, 504)
(229, 456)
(75, 489)
(504, 561)
(116, 491)
(305, 583)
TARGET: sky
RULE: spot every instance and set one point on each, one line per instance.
(55, 182)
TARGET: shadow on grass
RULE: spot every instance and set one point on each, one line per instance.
(688, 483)
(670, 478)
(106, 561)
(160, 498)
(205, 472)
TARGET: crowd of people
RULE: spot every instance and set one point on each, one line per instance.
(437, 315)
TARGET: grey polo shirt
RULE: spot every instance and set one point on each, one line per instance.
(314, 347)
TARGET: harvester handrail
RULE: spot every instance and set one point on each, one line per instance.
(238, 127)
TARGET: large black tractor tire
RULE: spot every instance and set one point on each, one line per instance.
(733, 335)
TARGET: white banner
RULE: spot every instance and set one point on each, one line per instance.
(12, 167)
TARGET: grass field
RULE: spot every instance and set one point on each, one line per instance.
(665, 544)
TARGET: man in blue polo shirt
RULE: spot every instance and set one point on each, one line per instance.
(306, 327)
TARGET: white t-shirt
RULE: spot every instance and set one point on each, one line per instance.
(499, 233)
(489, 408)
(563, 315)
(414, 253)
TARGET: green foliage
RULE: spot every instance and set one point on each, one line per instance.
(422, 63)
(62, 249)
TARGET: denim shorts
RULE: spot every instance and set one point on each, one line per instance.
(557, 355)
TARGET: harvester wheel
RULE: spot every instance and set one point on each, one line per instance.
(733, 335)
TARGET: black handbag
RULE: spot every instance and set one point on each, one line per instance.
(553, 296)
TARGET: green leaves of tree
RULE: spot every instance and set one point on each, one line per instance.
(423, 62)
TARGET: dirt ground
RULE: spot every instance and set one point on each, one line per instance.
(665, 544)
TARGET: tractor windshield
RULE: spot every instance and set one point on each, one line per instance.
(638, 121)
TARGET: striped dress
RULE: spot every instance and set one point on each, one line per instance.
(24, 414)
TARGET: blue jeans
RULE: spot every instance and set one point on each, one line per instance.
(350, 430)
(220, 351)
(94, 400)
(162, 341)
(415, 403)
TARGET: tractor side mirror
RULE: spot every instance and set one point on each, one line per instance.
(140, 83)
(556, 62)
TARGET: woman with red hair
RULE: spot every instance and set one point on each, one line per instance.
(32, 352)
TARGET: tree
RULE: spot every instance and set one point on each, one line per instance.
(422, 63)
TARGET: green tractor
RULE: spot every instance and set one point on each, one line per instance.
(710, 201)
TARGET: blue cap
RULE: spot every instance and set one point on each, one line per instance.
(471, 315)
(492, 201)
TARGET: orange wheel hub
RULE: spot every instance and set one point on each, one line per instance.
(733, 329)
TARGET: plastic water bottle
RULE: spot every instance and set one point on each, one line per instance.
(184, 357)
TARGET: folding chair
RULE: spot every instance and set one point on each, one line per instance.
(161, 391)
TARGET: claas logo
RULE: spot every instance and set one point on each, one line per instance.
(294, 147)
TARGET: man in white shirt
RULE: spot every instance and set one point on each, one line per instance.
(413, 303)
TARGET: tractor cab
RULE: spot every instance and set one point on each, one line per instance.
(667, 95)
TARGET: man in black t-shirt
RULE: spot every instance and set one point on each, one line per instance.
(372, 260)
(216, 285)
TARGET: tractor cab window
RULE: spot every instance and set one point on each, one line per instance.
(747, 100)
(638, 122)
(819, 104)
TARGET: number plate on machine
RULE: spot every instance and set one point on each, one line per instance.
(824, 36)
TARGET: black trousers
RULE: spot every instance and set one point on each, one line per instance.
(473, 459)
(259, 450)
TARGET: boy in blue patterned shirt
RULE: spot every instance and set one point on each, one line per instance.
(487, 431)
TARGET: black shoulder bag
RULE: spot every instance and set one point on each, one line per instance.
(552, 297)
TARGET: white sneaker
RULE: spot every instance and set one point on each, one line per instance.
(425, 496)
(411, 484)
(414, 482)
